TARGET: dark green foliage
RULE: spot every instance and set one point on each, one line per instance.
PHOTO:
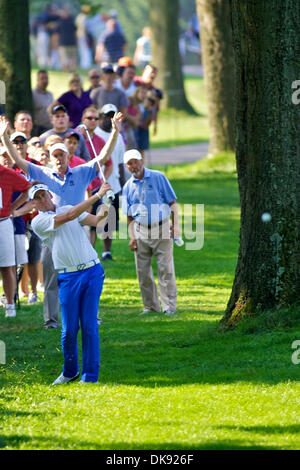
(14, 55)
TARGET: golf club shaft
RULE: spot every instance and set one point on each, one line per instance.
(95, 154)
(110, 193)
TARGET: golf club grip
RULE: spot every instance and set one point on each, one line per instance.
(110, 195)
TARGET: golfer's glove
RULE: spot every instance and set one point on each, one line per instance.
(108, 198)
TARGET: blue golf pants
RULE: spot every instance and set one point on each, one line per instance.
(79, 294)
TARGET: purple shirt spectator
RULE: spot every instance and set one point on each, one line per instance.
(75, 105)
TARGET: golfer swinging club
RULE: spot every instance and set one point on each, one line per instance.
(80, 276)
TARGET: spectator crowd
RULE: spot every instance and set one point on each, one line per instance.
(77, 124)
(63, 41)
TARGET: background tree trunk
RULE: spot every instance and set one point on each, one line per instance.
(165, 53)
(14, 55)
(218, 64)
(266, 42)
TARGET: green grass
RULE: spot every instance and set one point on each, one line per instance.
(165, 383)
(174, 127)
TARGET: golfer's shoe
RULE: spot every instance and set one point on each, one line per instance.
(169, 312)
(64, 380)
(10, 310)
(99, 321)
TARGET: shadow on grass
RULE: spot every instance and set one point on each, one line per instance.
(157, 351)
(58, 443)
(290, 429)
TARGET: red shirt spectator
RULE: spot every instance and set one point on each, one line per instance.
(75, 161)
(98, 144)
(10, 182)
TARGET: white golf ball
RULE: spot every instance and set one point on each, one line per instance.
(266, 217)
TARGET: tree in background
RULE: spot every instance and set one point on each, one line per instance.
(266, 40)
(14, 55)
(165, 52)
(218, 64)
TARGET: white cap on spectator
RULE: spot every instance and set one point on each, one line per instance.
(17, 134)
(133, 153)
(109, 108)
(59, 146)
(35, 188)
(2, 150)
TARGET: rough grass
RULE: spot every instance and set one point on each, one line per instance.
(165, 383)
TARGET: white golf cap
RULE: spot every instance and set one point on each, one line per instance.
(59, 146)
(109, 108)
(132, 154)
(34, 189)
(17, 134)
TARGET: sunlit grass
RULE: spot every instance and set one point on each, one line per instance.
(165, 383)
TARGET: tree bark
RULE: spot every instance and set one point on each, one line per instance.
(165, 53)
(218, 65)
(14, 55)
(266, 43)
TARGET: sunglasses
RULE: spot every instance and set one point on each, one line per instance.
(20, 141)
(91, 118)
(95, 76)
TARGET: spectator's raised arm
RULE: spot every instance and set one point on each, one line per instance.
(11, 150)
(108, 148)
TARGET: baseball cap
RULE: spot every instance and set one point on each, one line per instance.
(58, 146)
(17, 134)
(35, 188)
(108, 69)
(109, 108)
(59, 107)
(72, 134)
(133, 153)
(2, 150)
(125, 61)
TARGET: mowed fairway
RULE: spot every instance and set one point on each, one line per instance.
(165, 382)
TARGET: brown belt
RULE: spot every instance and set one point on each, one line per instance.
(154, 225)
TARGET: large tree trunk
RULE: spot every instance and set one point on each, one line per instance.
(266, 39)
(165, 52)
(218, 65)
(14, 55)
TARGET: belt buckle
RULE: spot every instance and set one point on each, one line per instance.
(80, 267)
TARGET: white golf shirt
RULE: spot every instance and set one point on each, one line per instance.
(69, 243)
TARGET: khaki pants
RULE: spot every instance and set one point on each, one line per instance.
(51, 302)
(155, 242)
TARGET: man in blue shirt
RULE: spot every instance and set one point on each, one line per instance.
(148, 200)
(68, 186)
(111, 44)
